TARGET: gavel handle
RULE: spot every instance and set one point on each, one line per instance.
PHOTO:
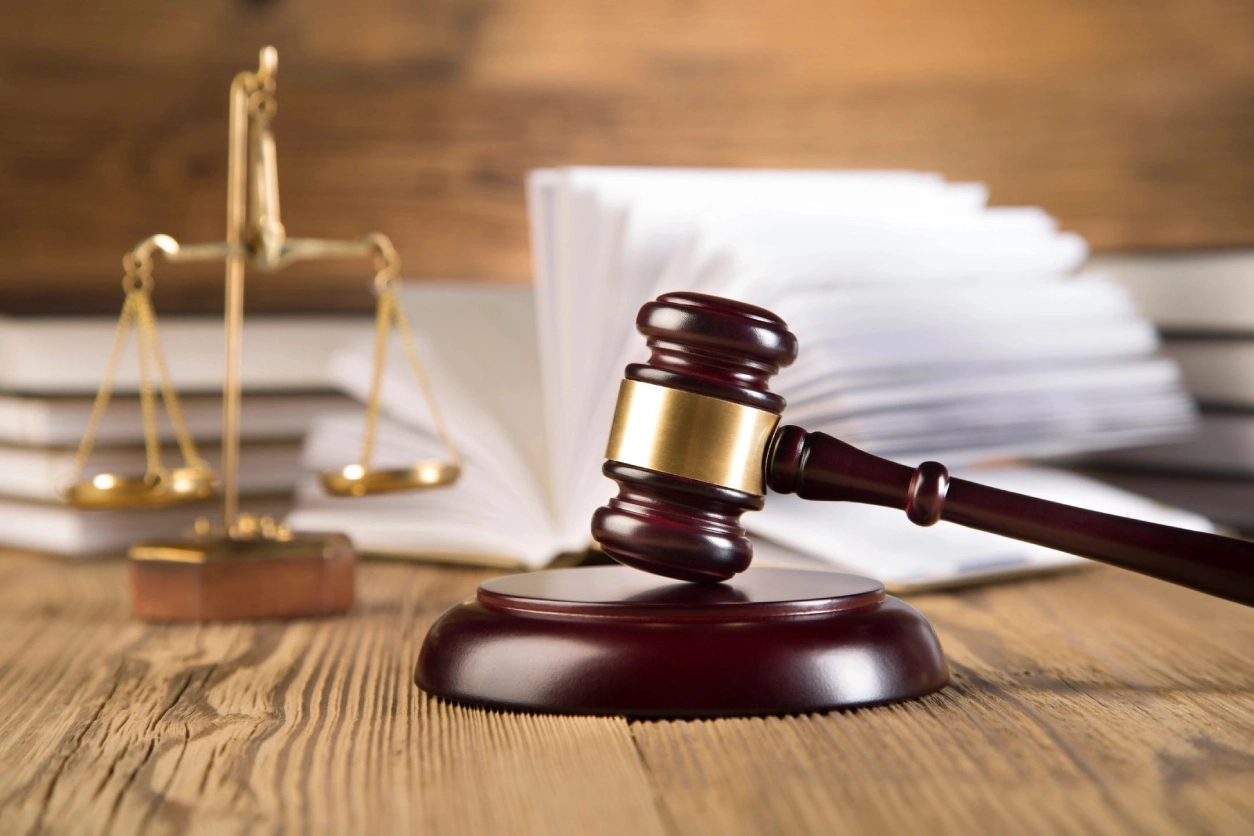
(818, 466)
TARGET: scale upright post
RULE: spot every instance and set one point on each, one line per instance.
(236, 227)
(250, 566)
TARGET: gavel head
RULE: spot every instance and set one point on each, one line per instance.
(689, 438)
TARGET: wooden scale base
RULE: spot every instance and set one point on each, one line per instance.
(230, 579)
(613, 640)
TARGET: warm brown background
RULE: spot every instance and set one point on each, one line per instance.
(1133, 122)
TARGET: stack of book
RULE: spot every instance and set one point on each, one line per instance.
(1204, 305)
(931, 326)
(49, 373)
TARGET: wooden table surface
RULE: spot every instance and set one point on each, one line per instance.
(1096, 702)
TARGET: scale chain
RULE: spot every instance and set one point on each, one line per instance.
(382, 327)
(147, 398)
(424, 382)
(168, 396)
(101, 404)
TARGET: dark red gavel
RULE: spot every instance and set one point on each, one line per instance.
(695, 443)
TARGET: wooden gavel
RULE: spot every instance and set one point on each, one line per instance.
(695, 443)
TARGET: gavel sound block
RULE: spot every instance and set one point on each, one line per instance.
(695, 443)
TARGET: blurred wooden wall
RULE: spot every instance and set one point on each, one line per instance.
(1133, 122)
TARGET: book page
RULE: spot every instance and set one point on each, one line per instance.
(484, 336)
(487, 514)
(495, 508)
(56, 355)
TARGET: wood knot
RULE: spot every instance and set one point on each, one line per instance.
(926, 497)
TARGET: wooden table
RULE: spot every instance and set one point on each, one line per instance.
(1096, 702)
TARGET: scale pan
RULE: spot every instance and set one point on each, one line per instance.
(171, 487)
(355, 480)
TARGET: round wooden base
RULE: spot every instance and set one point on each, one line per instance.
(612, 640)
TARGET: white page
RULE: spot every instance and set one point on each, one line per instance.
(1004, 380)
(1073, 409)
(542, 189)
(484, 513)
(60, 422)
(873, 308)
(484, 336)
(937, 349)
(870, 250)
(65, 355)
(495, 508)
(478, 437)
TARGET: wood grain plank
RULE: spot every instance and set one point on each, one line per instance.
(1099, 702)
(1131, 123)
(110, 726)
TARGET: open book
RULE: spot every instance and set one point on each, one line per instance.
(930, 325)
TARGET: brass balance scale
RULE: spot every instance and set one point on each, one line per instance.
(250, 566)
